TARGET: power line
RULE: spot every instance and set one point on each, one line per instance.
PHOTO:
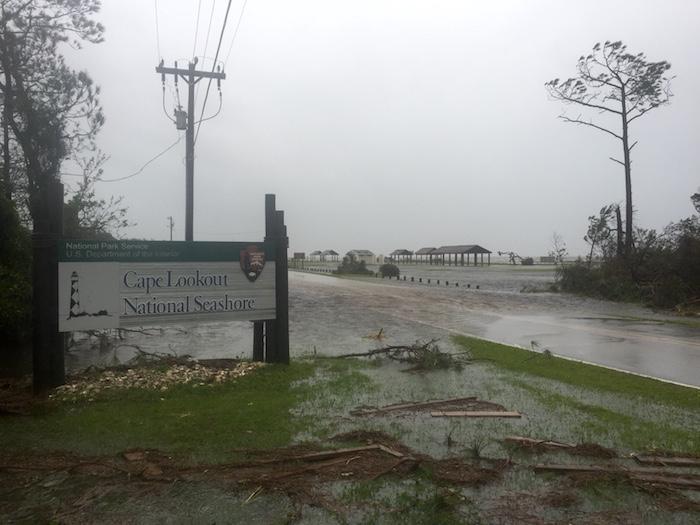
(179, 138)
(235, 33)
(155, 2)
(213, 67)
(206, 42)
(196, 29)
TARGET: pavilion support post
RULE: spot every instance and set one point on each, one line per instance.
(489, 257)
(482, 259)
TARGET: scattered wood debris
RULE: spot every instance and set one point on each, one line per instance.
(526, 442)
(647, 475)
(667, 461)
(582, 449)
(475, 413)
(457, 403)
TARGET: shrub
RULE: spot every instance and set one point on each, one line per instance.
(350, 265)
(389, 270)
(15, 276)
(527, 261)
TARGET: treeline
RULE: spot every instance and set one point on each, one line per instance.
(662, 270)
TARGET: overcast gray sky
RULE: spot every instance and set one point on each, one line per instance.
(392, 124)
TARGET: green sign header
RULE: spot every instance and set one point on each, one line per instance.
(158, 251)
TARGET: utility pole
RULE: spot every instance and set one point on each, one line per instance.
(171, 225)
(191, 76)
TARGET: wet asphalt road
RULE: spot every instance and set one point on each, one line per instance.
(331, 313)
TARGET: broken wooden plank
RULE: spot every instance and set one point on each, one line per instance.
(474, 413)
(612, 468)
(409, 406)
(680, 482)
(646, 475)
(529, 442)
(667, 461)
(391, 451)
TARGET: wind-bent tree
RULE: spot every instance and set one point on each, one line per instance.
(619, 87)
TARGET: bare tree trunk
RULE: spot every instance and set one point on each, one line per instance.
(620, 235)
(6, 116)
(628, 177)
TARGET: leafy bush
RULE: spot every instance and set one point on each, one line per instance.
(527, 261)
(351, 265)
(389, 270)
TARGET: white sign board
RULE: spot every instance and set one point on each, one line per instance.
(108, 284)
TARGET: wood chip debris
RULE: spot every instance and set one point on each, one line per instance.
(475, 413)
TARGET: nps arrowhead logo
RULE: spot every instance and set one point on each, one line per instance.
(252, 262)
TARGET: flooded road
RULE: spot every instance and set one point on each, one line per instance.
(332, 316)
(620, 336)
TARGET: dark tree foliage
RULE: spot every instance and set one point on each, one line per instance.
(351, 265)
(663, 270)
(15, 287)
(50, 111)
(618, 87)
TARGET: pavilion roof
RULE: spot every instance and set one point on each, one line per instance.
(461, 248)
(401, 252)
(426, 251)
(365, 253)
(330, 252)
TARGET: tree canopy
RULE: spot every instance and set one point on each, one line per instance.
(50, 110)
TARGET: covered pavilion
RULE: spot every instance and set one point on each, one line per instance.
(402, 255)
(425, 255)
(455, 254)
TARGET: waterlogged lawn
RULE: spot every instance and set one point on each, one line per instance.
(203, 423)
(591, 403)
(310, 400)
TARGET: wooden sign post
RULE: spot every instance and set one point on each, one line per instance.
(47, 343)
(271, 338)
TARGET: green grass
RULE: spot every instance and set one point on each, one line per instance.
(200, 423)
(580, 374)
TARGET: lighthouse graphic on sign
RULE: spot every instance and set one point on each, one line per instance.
(75, 310)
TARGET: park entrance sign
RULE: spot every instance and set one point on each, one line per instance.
(110, 284)
(91, 284)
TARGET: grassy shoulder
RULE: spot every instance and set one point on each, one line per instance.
(581, 374)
